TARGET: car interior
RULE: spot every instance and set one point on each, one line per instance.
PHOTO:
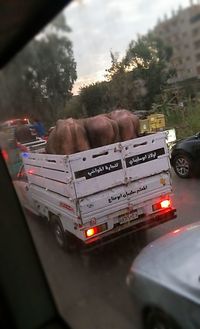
(23, 285)
(89, 228)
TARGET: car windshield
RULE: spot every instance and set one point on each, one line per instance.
(90, 113)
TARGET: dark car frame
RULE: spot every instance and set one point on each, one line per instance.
(185, 156)
(25, 298)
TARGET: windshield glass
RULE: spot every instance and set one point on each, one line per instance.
(90, 113)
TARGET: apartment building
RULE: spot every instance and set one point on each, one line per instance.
(182, 32)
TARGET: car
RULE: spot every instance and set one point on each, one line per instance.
(11, 154)
(11, 147)
(185, 156)
(14, 122)
(164, 281)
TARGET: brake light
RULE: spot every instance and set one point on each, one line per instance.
(90, 232)
(165, 204)
(4, 154)
(95, 230)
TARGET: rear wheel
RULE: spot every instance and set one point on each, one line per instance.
(63, 239)
(182, 166)
(59, 234)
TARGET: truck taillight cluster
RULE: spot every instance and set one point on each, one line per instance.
(95, 230)
(164, 204)
(4, 154)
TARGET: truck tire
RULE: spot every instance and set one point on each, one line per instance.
(62, 238)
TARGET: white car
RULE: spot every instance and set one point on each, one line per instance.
(164, 281)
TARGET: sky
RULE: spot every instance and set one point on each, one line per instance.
(101, 26)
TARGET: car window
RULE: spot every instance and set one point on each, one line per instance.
(98, 196)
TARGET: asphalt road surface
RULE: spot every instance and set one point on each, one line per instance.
(90, 290)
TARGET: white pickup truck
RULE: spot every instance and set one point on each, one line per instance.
(99, 194)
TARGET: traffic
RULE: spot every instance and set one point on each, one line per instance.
(86, 210)
(71, 191)
(98, 279)
(100, 139)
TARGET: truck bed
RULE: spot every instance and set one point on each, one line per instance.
(112, 188)
(86, 173)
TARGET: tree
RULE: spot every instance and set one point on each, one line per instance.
(74, 108)
(147, 59)
(133, 82)
(95, 98)
(40, 79)
(118, 86)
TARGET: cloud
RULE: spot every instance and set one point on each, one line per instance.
(101, 26)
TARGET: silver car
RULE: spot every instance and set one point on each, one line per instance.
(164, 281)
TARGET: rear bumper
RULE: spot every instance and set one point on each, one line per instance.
(121, 231)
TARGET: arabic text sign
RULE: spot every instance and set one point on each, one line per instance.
(127, 194)
(96, 171)
(135, 160)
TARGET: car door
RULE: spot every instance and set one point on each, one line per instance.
(196, 148)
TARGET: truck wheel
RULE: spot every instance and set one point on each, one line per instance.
(157, 319)
(182, 166)
(59, 233)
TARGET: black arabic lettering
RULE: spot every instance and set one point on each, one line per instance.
(124, 195)
(143, 188)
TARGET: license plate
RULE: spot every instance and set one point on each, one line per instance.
(128, 217)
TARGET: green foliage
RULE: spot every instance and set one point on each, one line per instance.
(74, 108)
(40, 79)
(95, 98)
(185, 120)
(181, 111)
(122, 89)
(148, 60)
(132, 82)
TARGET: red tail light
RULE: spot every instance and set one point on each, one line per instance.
(5, 154)
(95, 230)
(90, 232)
(165, 204)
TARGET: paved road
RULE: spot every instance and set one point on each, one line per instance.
(90, 290)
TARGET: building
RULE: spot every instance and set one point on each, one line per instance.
(182, 32)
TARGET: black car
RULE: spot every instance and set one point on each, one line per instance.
(185, 156)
